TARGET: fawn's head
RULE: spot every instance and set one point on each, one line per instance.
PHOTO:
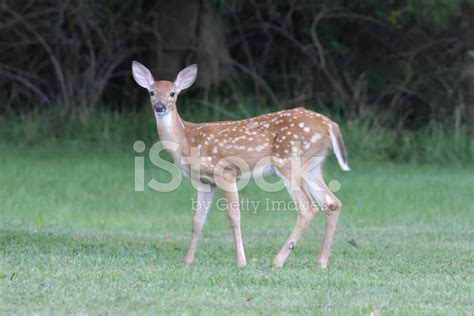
(163, 94)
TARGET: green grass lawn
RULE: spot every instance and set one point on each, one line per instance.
(76, 238)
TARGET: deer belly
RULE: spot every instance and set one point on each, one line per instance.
(262, 172)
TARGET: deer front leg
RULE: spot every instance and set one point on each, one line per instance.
(200, 210)
(233, 213)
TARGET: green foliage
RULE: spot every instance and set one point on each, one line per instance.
(102, 127)
(433, 144)
(436, 14)
(406, 56)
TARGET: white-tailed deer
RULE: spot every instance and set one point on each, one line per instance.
(292, 143)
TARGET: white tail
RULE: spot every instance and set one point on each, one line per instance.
(338, 146)
(277, 140)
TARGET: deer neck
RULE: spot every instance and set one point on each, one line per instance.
(172, 128)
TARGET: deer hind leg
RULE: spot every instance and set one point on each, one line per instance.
(200, 211)
(331, 207)
(306, 213)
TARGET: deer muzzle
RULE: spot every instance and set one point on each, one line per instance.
(159, 107)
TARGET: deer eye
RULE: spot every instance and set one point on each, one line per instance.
(152, 93)
(172, 94)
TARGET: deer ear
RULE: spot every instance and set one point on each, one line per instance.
(186, 77)
(142, 75)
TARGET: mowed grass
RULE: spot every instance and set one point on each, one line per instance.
(76, 238)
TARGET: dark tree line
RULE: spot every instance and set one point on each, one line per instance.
(406, 63)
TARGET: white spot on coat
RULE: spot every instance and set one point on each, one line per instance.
(315, 138)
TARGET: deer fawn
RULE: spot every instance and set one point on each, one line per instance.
(277, 143)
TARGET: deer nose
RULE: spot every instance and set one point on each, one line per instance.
(159, 107)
